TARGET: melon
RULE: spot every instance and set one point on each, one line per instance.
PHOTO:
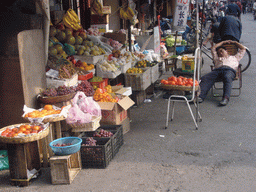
(53, 51)
(61, 36)
(79, 40)
(53, 31)
(70, 40)
(58, 47)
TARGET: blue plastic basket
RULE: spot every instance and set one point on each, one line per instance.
(66, 150)
(180, 49)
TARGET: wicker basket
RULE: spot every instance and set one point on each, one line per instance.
(54, 119)
(179, 88)
(57, 99)
(26, 138)
(45, 120)
(92, 126)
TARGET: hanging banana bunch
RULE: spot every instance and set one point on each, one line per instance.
(97, 7)
(126, 13)
(71, 20)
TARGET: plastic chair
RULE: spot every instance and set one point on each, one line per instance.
(232, 50)
(181, 98)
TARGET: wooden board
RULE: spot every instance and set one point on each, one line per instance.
(32, 63)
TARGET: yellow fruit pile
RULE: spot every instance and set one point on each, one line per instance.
(134, 70)
(142, 63)
(101, 95)
(87, 67)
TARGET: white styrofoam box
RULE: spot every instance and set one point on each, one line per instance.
(154, 73)
(138, 81)
(103, 28)
(50, 82)
(89, 59)
(106, 74)
(125, 67)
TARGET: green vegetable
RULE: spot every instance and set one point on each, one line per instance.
(183, 42)
(170, 42)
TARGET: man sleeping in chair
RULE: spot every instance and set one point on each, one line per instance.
(225, 68)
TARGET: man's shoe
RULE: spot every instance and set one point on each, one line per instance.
(200, 100)
(224, 102)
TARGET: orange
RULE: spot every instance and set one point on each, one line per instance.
(15, 130)
(36, 127)
(27, 132)
(27, 126)
(22, 129)
(48, 107)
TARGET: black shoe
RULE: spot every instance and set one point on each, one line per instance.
(200, 100)
(224, 102)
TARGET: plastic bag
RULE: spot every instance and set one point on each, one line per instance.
(4, 163)
(82, 110)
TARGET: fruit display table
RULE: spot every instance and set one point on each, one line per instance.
(24, 157)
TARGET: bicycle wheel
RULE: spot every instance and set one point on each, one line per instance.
(246, 60)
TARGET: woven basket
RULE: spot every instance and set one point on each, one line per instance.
(54, 119)
(179, 88)
(46, 120)
(92, 126)
(57, 99)
(26, 138)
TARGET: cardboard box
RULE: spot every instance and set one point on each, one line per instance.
(115, 113)
(105, 10)
(56, 16)
(138, 97)
(126, 125)
(106, 74)
(138, 81)
(120, 37)
(96, 19)
(103, 28)
(89, 59)
(121, 90)
(50, 82)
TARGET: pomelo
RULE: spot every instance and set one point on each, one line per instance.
(79, 40)
(70, 40)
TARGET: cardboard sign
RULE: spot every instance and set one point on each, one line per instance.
(156, 40)
(181, 13)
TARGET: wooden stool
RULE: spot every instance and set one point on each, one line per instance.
(65, 168)
(23, 157)
(55, 133)
(170, 63)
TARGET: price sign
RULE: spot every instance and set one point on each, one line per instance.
(181, 13)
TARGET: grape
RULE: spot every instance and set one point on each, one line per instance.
(90, 142)
(64, 90)
(103, 133)
(50, 92)
(62, 145)
(85, 87)
(61, 90)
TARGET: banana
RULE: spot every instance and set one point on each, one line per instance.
(70, 21)
(123, 14)
(130, 13)
(97, 7)
(75, 16)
